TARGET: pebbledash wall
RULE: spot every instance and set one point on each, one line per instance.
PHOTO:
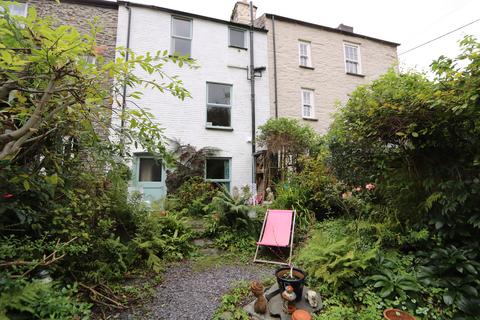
(327, 76)
(80, 14)
(219, 63)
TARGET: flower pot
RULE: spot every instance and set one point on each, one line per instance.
(301, 315)
(397, 314)
(297, 282)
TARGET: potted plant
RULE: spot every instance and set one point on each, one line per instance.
(397, 314)
(290, 276)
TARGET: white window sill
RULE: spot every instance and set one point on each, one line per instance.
(356, 74)
(219, 128)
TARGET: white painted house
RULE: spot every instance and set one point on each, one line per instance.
(219, 112)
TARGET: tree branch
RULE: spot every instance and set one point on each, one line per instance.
(32, 123)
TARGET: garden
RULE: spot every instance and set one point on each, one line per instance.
(387, 202)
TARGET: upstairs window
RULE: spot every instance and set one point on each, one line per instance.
(181, 36)
(236, 38)
(307, 104)
(352, 58)
(304, 54)
(150, 170)
(219, 104)
(18, 9)
(218, 170)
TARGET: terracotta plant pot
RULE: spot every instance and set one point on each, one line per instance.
(397, 314)
(297, 283)
(301, 315)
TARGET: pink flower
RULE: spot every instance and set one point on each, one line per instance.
(7, 196)
(370, 186)
(358, 189)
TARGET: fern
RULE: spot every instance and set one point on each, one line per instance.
(335, 254)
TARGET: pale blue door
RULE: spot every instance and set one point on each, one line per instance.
(149, 177)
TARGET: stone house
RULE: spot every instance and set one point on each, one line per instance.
(312, 67)
(80, 14)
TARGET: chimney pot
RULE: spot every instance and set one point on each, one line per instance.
(344, 27)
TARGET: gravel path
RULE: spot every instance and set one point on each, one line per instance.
(187, 294)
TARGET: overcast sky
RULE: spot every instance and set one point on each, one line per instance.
(409, 22)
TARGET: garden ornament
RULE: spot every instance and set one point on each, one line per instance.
(260, 305)
(312, 298)
(269, 197)
(289, 297)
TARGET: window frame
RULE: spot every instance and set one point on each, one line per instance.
(220, 181)
(173, 37)
(208, 104)
(359, 57)
(244, 38)
(308, 56)
(312, 103)
(139, 158)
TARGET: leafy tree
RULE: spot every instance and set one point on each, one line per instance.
(418, 140)
(49, 89)
(64, 205)
(287, 139)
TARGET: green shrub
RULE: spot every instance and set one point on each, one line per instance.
(339, 250)
(455, 270)
(22, 299)
(313, 192)
(286, 140)
(230, 210)
(192, 196)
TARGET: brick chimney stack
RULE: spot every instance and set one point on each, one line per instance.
(241, 12)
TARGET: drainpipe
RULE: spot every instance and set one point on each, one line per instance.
(124, 97)
(275, 68)
(252, 92)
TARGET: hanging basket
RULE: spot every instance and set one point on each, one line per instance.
(397, 314)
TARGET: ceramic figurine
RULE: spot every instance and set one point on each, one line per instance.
(260, 305)
(289, 300)
(312, 298)
(269, 197)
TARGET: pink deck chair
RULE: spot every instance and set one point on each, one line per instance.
(277, 231)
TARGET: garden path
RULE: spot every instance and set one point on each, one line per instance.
(192, 289)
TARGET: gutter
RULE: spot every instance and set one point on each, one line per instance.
(124, 93)
(252, 91)
(318, 26)
(275, 68)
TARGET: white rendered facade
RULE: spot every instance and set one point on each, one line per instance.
(151, 31)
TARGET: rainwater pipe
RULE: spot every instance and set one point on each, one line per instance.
(252, 92)
(124, 93)
(275, 68)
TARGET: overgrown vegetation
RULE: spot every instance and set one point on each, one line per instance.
(68, 226)
(406, 149)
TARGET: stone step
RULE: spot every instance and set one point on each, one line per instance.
(210, 251)
(197, 226)
(203, 243)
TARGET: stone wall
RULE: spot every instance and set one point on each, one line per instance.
(328, 79)
(81, 16)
